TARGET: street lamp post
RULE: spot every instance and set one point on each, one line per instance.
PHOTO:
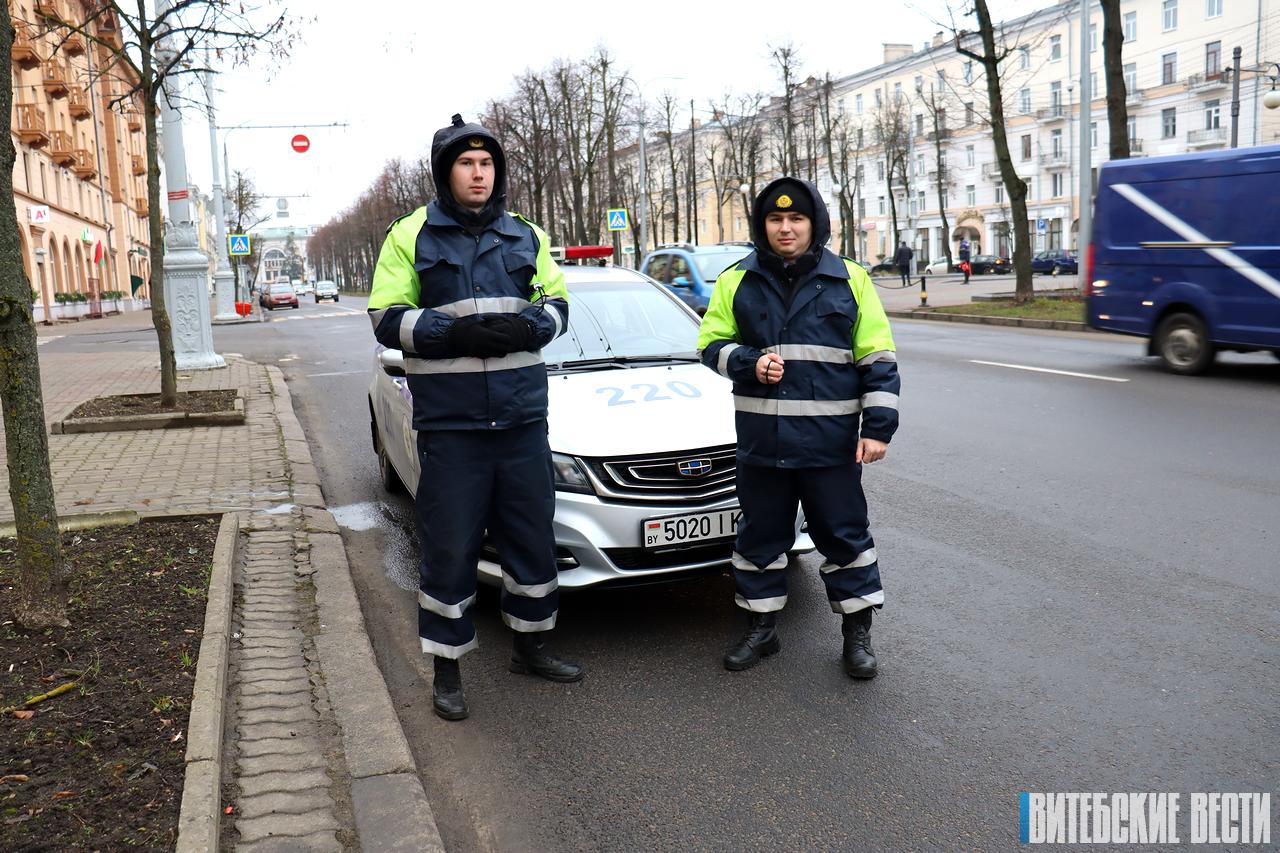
(1084, 233)
(223, 281)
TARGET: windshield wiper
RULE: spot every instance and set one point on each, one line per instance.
(624, 360)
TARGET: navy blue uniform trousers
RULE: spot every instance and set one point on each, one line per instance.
(836, 511)
(473, 480)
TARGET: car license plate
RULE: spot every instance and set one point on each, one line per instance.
(694, 527)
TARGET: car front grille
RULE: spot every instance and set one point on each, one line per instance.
(690, 476)
(638, 559)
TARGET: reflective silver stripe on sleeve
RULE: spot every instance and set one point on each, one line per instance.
(761, 605)
(742, 564)
(535, 590)
(812, 352)
(722, 359)
(866, 558)
(448, 611)
(484, 305)
(795, 408)
(858, 602)
(375, 317)
(554, 311)
(878, 355)
(524, 626)
(440, 650)
(408, 322)
(511, 361)
(884, 399)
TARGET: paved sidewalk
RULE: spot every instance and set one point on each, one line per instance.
(314, 758)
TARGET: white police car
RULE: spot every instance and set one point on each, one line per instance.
(642, 436)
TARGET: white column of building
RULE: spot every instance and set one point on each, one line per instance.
(223, 280)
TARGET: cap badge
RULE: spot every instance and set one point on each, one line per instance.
(784, 201)
(475, 142)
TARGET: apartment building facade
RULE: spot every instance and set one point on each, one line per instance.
(1176, 54)
(80, 173)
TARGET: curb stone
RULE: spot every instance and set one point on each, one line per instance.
(198, 820)
(1021, 322)
(391, 808)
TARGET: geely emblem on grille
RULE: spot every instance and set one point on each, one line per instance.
(694, 467)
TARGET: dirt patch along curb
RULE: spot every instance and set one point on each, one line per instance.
(198, 821)
(983, 320)
(164, 420)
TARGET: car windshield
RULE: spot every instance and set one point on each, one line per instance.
(620, 319)
(282, 288)
(711, 264)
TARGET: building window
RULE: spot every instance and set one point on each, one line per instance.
(1055, 97)
(969, 156)
(880, 170)
(1212, 115)
(1055, 233)
(857, 104)
(1213, 58)
(919, 164)
(1024, 58)
(1130, 26)
(919, 125)
(860, 138)
(879, 100)
(1170, 15)
(1213, 8)
(919, 83)
(999, 193)
(881, 200)
(968, 72)
(897, 92)
(860, 173)
(1093, 134)
(1131, 126)
(1093, 85)
(840, 107)
(942, 80)
(1056, 182)
(1026, 147)
(862, 208)
(1130, 77)
(1093, 38)
(1055, 142)
(968, 114)
(1055, 47)
(1168, 68)
(1024, 101)
(920, 201)
(971, 195)
(1169, 123)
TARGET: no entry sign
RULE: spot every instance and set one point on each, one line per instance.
(300, 143)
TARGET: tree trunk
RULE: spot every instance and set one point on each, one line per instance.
(1113, 68)
(41, 599)
(155, 222)
(942, 177)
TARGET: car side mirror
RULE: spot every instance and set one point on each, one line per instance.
(681, 281)
(392, 362)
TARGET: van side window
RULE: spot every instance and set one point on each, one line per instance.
(680, 267)
(658, 268)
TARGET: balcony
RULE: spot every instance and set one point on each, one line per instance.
(54, 78)
(991, 170)
(108, 29)
(1207, 138)
(935, 135)
(78, 105)
(143, 209)
(73, 45)
(1133, 98)
(84, 167)
(1207, 82)
(61, 148)
(24, 55)
(49, 9)
(134, 119)
(1054, 160)
(1052, 114)
(138, 164)
(1135, 148)
(31, 127)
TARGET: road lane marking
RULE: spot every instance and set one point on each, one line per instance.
(1047, 370)
(339, 373)
(41, 341)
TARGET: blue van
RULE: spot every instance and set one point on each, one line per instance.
(1186, 253)
(690, 271)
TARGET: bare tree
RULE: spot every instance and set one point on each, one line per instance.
(938, 116)
(41, 593)
(149, 56)
(893, 136)
(842, 161)
(1113, 69)
(982, 49)
(241, 212)
(787, 60)
(667, 103)
(742, 124)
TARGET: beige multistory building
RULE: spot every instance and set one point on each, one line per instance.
(1176, 57)
(80, 173)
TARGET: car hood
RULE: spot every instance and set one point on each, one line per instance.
(640, 410)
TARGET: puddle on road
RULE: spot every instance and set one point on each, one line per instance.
(399, 557)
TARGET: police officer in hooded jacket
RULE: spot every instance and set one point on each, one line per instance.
(471, 295)
(803, 336)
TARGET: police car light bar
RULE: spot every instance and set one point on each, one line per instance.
(577, 253)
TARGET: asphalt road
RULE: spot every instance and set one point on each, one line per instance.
(1081, 579)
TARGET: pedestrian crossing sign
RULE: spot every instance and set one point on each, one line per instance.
(238, 245)
(618, 219)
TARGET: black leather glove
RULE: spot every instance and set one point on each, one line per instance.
(515, 331)
(470, 336)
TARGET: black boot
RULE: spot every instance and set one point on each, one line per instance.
(859, 659)
(532, 656)
(447, 699)
(761, 640)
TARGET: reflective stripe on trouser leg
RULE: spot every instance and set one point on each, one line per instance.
(769, 499)
(523, 507)
(451, 523)
(836, 511)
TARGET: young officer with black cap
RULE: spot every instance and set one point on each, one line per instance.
(471, 295)
(803, 336)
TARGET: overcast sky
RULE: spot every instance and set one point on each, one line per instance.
(398, 73)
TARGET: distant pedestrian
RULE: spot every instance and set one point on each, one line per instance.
(964, 258)
(903, 260)
(471, 295)
(803, 336)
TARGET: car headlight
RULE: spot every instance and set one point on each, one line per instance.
(568, 475)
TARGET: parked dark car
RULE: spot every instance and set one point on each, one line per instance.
(884, 268)
(1054, 262)
(989, 265)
